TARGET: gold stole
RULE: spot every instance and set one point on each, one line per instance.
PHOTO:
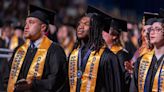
(90, 74)
(14, 42)
(159, 76)
(143, 70)
(143, 50)
(116, 49)
(37, 66)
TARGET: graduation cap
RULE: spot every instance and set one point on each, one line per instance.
(105, 18)
(45, 15)
(19, 27)
(161, 13)
(149, 18)
(119, 24)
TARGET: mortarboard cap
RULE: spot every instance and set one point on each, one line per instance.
(104, 17)
(119, 24)
(149, 18)
(161, 13)
(161, 20)
(19, 27)
(45, 15)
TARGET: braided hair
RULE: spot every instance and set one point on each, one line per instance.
(95, 32)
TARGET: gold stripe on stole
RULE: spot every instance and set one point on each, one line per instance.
(89, 76)
(116, 49)
(73, 70)
(16, 65)
(143, 69)
(37, 66)
(157, 76)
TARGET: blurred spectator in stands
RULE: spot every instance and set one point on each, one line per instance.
(7, 33)
(66, 37)
(132, 40)
(52, 33)
(17, 38)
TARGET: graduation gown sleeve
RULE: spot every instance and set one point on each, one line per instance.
(108, 79)
(134, 80)
(125, 76)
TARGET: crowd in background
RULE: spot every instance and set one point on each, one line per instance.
(12, 18)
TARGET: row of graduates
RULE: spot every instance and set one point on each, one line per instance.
(40, 65)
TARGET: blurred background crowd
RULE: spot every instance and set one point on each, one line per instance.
(14, 12)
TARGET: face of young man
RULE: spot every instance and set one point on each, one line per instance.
(33, 28)
(83, 28)
(157, 33)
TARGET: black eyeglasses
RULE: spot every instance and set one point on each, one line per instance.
(157, 30)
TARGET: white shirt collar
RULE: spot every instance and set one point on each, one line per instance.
(37, 42)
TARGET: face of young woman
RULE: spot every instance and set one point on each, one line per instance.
(157, 33)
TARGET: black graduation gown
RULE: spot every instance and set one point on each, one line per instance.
(55, 77)
(129, 46)
(150, 77)
(3, 67)
(53, 36)
(108, 78)
(124, 75)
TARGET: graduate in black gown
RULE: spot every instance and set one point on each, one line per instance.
(85, 75)
(17, 38)
(44, 66)
(112, 39)
(147, 76)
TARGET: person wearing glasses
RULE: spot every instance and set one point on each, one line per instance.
(148, 73)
